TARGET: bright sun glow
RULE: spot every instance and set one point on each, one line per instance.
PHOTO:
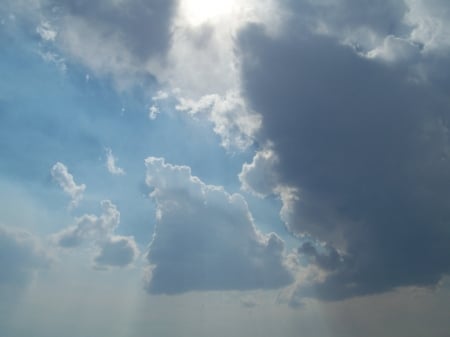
(197, 12)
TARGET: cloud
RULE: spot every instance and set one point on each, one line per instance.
(430, 24)
(153, 45)
(61, 174)
(21, 256)
(205, 238)
(111, 164)
(363, 160)
(360, 24)
(117, 251)
(90, 226)
(260, 176)
(116, 38)
(388, 29)
(46, 32)
(232, 120)
(113, 250)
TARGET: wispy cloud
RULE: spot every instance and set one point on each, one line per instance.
(111, 164)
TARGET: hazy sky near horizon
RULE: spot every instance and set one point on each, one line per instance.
(224, 168)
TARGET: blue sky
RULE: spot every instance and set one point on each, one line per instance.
(202, 168)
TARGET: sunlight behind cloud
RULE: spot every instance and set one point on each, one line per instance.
(197, 12)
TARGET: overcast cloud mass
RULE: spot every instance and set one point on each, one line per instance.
(208, 168)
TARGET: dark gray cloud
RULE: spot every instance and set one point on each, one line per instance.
(329, 259)
(362, 24)
(20, 256)
(365, 146)
(384, 16)
(205, 238)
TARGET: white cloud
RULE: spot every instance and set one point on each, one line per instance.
(65, 180)
(90, 227)
(111, 164)
(113, 250)
(153, 112)
(160, 95)
(233, 121)
(430, 24)
(205, 238)
(46, 31)
(395, 49)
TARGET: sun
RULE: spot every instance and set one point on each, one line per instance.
(197, 12)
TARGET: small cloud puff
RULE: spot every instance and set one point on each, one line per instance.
(61, 175)
(153, 112)
(111, 164)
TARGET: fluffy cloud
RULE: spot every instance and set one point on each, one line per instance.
(61, 174)
(114, 250)
(20, 256)
(205, 238)
(232, 120)
(111, 164)
(363, 160)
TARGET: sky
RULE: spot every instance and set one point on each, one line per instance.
(224, 168)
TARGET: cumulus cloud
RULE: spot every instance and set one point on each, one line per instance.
(61, 175)
(363, 160)
(111, 164)
(205, 238)
(21, 256)
(113, 250)
(90, 226)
